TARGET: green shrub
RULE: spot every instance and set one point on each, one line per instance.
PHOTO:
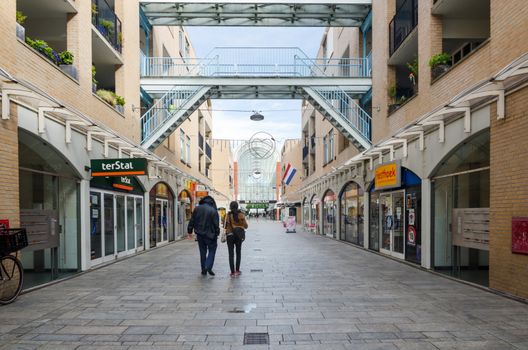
(438, 59)
(20, 18)
(66, 57)
(120, 100)
(93, 75)
(43, 47)
(108, 96)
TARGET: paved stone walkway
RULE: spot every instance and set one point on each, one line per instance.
(311, 293)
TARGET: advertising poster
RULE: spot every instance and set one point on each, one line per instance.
(290, 223)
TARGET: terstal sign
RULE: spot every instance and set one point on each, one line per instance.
(119, 167)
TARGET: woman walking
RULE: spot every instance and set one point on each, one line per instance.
(235, 225)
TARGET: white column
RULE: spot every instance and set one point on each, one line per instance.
(84, 212)
(426, 223)
(146, 213)
(366, 219)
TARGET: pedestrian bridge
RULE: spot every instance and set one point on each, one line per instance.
(181, 85)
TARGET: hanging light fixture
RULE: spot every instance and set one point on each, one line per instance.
(256, 116)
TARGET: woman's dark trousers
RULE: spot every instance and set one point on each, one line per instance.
(232, 242)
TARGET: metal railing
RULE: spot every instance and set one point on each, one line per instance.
(402, 24)
(165, 108)
(107, 23)
(352, 113)
(200, 141)
(255, 62)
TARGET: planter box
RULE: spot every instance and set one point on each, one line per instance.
(120, 109)
(439, 70)
(393, 107)
(70, 70)
(20, 32)
(94, 88)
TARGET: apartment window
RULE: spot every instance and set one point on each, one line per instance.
(188, 151)
(331, 145)
(325, 150)
(182, 146)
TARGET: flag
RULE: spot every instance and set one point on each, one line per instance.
(289, 173)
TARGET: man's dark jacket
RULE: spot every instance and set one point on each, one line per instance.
(204, 220)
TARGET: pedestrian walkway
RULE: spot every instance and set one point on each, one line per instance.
(305, 291)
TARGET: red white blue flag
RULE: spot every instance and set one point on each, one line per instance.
(289, 173)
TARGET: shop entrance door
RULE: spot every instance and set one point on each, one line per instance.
(392, 223)
(162, 210)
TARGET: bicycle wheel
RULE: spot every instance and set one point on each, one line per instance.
(11, 279)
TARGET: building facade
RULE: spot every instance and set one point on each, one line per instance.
(440, 186)
(71, 95)
(291, 166)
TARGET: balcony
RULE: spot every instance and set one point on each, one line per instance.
(402, 24)
(107, 24)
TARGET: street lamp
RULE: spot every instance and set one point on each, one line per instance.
(256, 116)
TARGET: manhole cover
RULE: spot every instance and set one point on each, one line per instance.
(256, 338)
(256, 270)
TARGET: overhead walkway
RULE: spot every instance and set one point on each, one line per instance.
(293, 13)
(182, 85)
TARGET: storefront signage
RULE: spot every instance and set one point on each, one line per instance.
(201, 194)
(4, 224)
(520, 235)
(162, 190)
(123, 183)
(411, 235)
(388, 176)
(119, 167)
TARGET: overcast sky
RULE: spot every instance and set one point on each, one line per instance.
(282, 117)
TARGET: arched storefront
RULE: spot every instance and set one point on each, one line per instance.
(49, 210)
(351, 207)
(161, 214)
(395, 213)
(185, 205)
(314, 217)
(461, 201)
(306, 213)
(329, 213)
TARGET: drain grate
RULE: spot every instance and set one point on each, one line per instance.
(256, 338)
(256, 270)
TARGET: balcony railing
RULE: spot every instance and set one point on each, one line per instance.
(305, 152)
(312, 141)
(402, 24)
(107, 23)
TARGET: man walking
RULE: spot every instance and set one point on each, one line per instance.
(205, 223)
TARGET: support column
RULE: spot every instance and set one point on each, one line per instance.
(146, 221)
(366, 219)
(426, 223)
(84, 213)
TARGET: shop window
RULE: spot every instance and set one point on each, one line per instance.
(329, 214)
(352, 214)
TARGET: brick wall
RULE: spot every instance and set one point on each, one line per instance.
(9, 197)
(509, 194)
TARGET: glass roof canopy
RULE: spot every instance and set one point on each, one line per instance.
(270, 13)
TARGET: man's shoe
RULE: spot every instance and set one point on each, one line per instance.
(211, 272)
(204, 272)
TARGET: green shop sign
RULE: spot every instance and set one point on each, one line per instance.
(119, 167)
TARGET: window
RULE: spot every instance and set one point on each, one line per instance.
(188, 156)
(331, 145)
(325, 150)
(182, 146)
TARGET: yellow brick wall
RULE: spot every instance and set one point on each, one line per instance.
(509, 194)
(9, 197)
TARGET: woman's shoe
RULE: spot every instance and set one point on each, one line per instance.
(238, 273)
(232, 274)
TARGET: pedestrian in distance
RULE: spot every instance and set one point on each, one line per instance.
(235, 227)
(205, 224)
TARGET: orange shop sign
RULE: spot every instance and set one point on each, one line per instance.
(388, 176)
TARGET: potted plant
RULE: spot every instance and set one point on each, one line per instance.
(120, 103)
(66, 63)
(94, 12)
(413, 74)
(439, 63)
(395, 102)
(94, 82)
(107, 96)
(43, 48)
(20, 30)
(107, 28)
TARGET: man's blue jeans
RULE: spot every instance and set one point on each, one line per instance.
(206, 244)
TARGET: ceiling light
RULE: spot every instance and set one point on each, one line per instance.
(256, 116)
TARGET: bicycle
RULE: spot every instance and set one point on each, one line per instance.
(11, 271)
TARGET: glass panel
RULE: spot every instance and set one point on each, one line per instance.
(374, 221)
(109, 224)
(164, 220)
(387, 221)
(170, 213)
(471, 155)
(131, 239)
(120, 223)
(159, 220)
(69, 250)
(359, 220)
(398, 238)
(139, 222)
(95, 226)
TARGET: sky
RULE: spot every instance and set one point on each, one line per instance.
(282, 118)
